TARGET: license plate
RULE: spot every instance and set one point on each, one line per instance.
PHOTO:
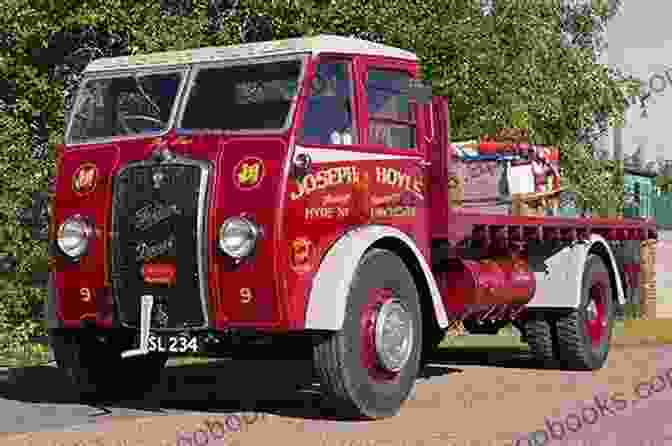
(172, 343)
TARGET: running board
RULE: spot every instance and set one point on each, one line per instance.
(145, 320)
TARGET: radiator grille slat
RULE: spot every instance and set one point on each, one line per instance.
(153, 224)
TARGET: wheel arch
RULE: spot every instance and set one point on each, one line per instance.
(328, 295)
(559, 287)
(429, 315)
(600, 247)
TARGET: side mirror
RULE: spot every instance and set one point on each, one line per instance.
(420, 91)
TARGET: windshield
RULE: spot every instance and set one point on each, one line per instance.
(123, 105)
(249, 97)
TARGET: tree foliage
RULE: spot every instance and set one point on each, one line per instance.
(664, 179)
(527, 63)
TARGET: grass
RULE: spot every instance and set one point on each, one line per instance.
(664, 295)
(630, 331)
(506, 338)
(34, 354)
(191, 360)
(31, 355)
(652, 330)
(635, 331)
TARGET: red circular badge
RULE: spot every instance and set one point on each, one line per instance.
(84, 179)
(248, 173)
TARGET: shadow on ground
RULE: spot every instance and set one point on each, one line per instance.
(506, 357)
(276, 386)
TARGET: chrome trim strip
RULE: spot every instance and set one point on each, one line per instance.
(202, 239)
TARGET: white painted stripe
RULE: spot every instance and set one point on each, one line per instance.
(332, 155)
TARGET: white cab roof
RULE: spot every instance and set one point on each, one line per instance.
(314, 45)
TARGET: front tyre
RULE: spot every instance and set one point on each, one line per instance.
(96, 369)
(368, 368)
(584, 335)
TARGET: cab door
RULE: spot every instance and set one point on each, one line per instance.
(320, 200)
(364, 144)
(397, 128)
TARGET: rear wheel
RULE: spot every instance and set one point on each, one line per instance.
(368, 368)
(96, 369)
(584, 335)
(539, 336)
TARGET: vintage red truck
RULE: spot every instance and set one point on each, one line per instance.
(297, 192)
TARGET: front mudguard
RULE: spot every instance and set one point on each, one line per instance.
(331, 285)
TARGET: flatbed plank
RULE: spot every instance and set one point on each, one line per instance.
(460, 224)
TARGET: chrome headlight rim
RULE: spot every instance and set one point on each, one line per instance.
(248, 247)
(75, 226)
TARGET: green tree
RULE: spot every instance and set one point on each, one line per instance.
(664, 178)
(505, 69)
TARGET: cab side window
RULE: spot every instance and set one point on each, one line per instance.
(392, 115)
(329, 117)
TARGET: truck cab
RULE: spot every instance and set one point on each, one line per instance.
(208, 186)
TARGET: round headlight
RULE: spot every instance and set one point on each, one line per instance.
(238, 237)
(73, 236)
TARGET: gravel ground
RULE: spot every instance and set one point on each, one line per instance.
(465, 398)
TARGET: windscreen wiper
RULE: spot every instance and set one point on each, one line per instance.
(136, 78)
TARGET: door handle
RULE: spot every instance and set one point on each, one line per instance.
(301, 166)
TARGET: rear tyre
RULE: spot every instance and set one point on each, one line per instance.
(539, 336)
(584, 335)
(368, 368)
(96, 370)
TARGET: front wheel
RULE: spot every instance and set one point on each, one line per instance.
(368, 368)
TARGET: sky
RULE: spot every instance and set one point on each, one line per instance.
(640, 43)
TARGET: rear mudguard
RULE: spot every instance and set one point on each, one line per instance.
(559, 275)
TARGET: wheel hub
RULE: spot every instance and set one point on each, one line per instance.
(591, 310)
(393, 335)
(596, 320)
